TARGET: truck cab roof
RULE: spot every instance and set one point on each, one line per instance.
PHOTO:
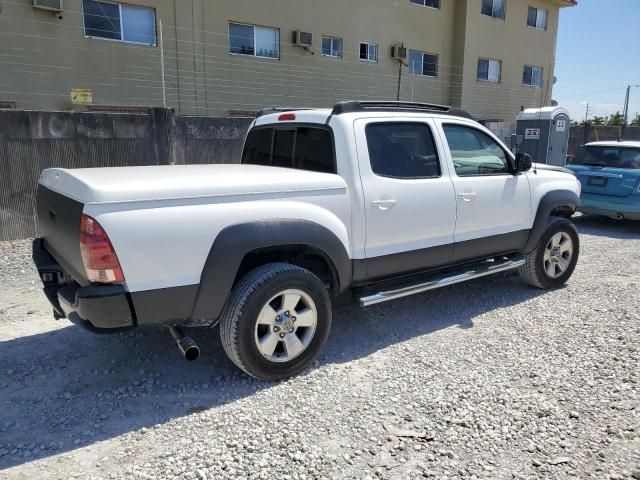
(357, 109)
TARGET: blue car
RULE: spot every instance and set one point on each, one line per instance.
(610, 176)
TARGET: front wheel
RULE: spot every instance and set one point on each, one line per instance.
(276, 321)
(553, 261)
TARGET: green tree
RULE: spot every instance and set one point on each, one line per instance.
(616, 120)
(597, 121)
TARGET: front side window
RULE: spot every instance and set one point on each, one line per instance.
(369, 52)
(421, 63)
(489, 70)
(332, 47)
(402, 150)
(532, 76)
(537, 18)
(304, 148)
(474, 152)
(493, 8)
(254, 41)
(114, 21)
(427, 3)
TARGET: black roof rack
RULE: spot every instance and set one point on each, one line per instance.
(390, 106)
(352, 106)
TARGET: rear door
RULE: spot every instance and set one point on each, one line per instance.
(608, 170)
(410, 207)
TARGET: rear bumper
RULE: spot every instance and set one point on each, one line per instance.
(98, 308)
(611, 206)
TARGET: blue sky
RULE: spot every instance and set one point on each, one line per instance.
(597, 56)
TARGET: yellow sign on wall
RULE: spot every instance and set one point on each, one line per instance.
(81, 96)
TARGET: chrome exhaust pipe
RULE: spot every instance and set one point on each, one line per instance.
(186, 345)
(619, 216)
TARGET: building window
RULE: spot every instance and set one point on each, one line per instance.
(493, 8)
(421, 63)
(255, 41)
(369, 52)
(489, 70)
(114, 21)
(537, 18)
(532, 76)
(427, 3)
(332, 47)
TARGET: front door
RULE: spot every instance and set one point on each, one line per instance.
(493, 203)
(409, 202)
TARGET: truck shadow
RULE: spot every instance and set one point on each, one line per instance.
(607, 227)
(67, 389)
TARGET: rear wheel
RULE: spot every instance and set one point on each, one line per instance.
(553, 261)
(276, 321)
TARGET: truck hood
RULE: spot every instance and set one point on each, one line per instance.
(130, 184)
(552, 168)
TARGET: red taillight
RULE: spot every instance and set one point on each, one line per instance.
(287, 117)
(99, 258)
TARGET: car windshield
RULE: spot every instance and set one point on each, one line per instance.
(613, 157)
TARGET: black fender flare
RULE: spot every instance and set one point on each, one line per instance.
(550, 201)
(235, 242)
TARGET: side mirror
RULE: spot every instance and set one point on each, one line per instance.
(523, 162)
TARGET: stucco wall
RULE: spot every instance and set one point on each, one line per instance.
(44, 55)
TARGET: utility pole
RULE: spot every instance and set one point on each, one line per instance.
(626, 110)
(586, 115)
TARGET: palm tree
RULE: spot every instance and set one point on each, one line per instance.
(616, 120)
(597, 121)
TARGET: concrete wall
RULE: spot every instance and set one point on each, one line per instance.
(43, 55)
(33, 141)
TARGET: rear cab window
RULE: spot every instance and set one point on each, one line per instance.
(303, 147)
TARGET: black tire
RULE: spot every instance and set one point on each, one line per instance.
(248, 297)
(533, 271)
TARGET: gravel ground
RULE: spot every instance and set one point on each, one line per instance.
(485, 380)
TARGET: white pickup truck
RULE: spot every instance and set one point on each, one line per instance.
(368, 200)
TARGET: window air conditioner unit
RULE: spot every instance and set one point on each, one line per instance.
(53, 5)
(398, 52)
(302, 39)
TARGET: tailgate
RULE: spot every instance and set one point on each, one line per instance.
(59, 226)
(608, 181)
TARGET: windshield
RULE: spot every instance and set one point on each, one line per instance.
(613, 157)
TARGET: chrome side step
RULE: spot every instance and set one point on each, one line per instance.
(481, 270)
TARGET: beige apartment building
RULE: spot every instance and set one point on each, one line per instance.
(229, 57)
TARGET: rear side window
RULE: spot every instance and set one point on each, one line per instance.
(402, 150)
(303, 148)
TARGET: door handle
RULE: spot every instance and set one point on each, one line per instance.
(468, 196)
(384, 204)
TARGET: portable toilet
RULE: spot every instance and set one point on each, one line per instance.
(543, 133)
